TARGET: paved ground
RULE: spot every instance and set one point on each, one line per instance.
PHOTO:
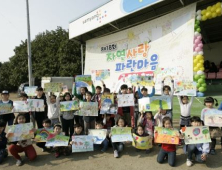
(130, 159)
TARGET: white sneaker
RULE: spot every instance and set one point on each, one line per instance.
(19, 162)
(116, 155)
(189, 162)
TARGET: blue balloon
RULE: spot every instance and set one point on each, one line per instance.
(200, 94)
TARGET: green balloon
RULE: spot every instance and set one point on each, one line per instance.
(201, 89)
(204, 85)
(201, 81)
(203, 76)
(196, 26)
(197, 22)
(198, 85)
(198, 30)
(196, 77)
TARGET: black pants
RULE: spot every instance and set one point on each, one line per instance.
(39, 117)
(68, 127)
(27, 117)
(41, 144)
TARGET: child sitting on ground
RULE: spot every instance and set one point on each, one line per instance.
(141, 132)
(47, 126)
(199, 150)
(118, 146)
(60, 149)
(105, 143)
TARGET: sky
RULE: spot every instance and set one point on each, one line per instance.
(44, 15)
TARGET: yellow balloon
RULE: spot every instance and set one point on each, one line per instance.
(218, 11)
(218, 4)
(199, 57)
(195, 62)
(201, 61)
(209, 8)
(209, 15)
(202, 69)
(203, 11)
(214, 15)
(204, 18)
(195, 69)
(199, 65)
(213, 8)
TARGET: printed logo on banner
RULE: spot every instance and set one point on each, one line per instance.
(110, 47)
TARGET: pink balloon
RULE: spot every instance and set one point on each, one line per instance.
(197, 41)
(199, 37)
(194, 45)
(200, 45)
(197, 49)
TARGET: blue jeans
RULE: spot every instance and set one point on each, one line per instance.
(3, 154)
(192, 149)
(119, 146)
(104, 145)
(171, 157)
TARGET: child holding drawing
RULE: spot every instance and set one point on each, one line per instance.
(147, 121)
(199, 150)
(22, 146)
(185, 107)
(128, 111)
(53, 108)
(159, 116)
(89, 121)
(167, 91)
(144, 92)
(67, 117)
(24, 97)
(40, 115)
(214, 131)
(141, 132)
(65, 150)
(118, 146)
(47, 126)
(105, 143)
(8, 118)
(167, 150)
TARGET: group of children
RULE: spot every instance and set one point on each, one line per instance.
(71, 125)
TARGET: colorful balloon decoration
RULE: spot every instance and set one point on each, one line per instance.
(198, 59)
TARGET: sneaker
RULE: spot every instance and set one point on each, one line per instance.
(57, 154)
(116, 155)
(19, 162)
(212, 152)
(148, 151)
(189, 162)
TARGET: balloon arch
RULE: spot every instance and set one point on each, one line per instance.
(198, 56)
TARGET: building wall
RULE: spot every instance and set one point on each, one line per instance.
(214, 54)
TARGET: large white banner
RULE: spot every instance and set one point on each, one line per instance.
(109, 12)
(160, 48)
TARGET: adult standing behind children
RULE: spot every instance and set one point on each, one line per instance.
(40, 115)
(8, 118)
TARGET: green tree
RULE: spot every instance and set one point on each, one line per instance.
(53, 54)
